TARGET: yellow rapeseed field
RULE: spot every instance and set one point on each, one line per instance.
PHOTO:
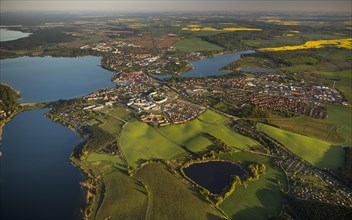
(190, 29)
(209, 29)
(340, 43)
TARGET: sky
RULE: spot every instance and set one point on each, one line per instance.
(175, 5)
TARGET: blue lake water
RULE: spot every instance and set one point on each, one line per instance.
(8, 35)
(42, 79)
(213, 175)
(210, 66)
(37, 179)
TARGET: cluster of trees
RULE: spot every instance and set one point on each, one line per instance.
(253, 111)
(256, 170)
(8, 98)
(249, 61)
(247, 111)
(289, 58)
(172, 67)
(99, 140)
(238, 40)
(93, 185)
(217, 143)
(235, 182)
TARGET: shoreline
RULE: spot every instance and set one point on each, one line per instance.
(1, 132)
(75, 162)
(6, 121)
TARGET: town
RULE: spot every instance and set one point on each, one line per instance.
(177, 100)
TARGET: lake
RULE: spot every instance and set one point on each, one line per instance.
(8, 35)
(37, 178)
(213, 175)
(210, 66)
(42, 79)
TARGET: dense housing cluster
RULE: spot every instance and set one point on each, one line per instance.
(123, 57)
(269, 91)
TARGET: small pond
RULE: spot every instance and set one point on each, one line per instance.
(213, 175)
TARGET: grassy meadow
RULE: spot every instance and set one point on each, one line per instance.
(123, 197)
(208, 122)
(318, 152)
(304, 125)
(336, 129)
(111, 124)
(114, 120)
(171, 198)
(140, 141)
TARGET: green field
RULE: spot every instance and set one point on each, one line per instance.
(114, 120)
(142, 142)
(171, 198)
(342, 117)
(101, 164)
(139, 141)
(123, 197)
(337, 129)
(315, 151)
(110, 124)
(113, 161)
(259, 199)
(208, 122)
(316, 128)
(119, 112)
(195, 44)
